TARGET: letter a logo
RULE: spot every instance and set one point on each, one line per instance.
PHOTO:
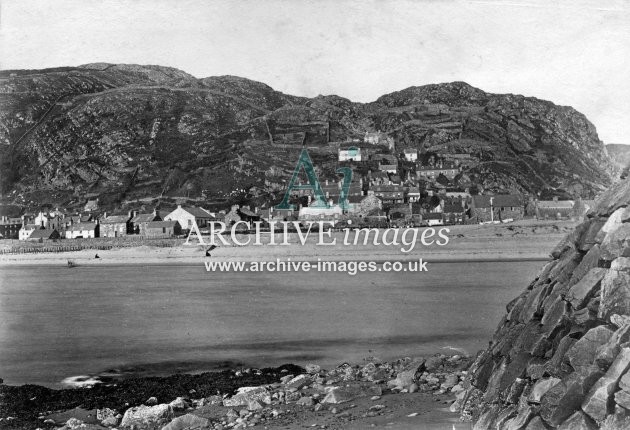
(313, 183)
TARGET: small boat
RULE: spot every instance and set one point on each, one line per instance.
(71, 264)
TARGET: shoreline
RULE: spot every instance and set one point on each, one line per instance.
(189, 263)
(469, 244)
(519, 241)
(408, 392)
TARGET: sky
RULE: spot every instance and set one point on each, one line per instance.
(573, 52)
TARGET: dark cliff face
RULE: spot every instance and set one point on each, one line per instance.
(139, 132)
(560, 357)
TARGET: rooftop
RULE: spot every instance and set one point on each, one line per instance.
(115, 219)
(82, 226)
(161, 224)
(555, 204)
(499, 200)
(197, 212)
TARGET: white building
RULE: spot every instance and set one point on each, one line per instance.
(26, 231)
(189, 215)
(351, 154)
(411, 154)
(413, 194)
(83, 230)
(41, 220)
(315, 214)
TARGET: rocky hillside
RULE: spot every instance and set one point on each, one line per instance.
(129, 133)
(560, 357)
(619, 154)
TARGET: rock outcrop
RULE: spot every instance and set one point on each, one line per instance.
(619, 154)
(560, 357)
(127, 132)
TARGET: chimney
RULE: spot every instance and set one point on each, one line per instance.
(179, 206)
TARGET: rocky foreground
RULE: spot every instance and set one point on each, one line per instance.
(288, 397)
(561, 356)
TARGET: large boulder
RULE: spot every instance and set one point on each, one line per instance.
(348, 393)
(586, 287)
(540, 388)
(186, 422)
(141, 417)
(599, 398)
(407, 375)
(251, 397)
(615, 291)
(583, 352)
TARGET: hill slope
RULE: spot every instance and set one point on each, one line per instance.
(128, 132)
(619, 154)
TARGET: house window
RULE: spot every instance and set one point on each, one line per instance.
(163, 229)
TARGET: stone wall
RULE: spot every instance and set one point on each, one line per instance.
(561, 354)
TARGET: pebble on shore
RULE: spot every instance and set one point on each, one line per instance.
(312, 389)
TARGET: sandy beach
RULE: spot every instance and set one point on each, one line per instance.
(523, 240)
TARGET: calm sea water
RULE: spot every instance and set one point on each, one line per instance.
(57, 322)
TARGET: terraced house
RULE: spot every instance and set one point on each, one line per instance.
(160, 229)
(500, 207)
(139, 222)
(115, 225)
(554, 209)
(82, 230)
(27, 229)
(433, 172)
(389, 194)
(10, 227)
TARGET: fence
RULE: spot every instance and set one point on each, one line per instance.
(99, 244)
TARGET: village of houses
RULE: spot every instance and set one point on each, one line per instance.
(385, 196)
